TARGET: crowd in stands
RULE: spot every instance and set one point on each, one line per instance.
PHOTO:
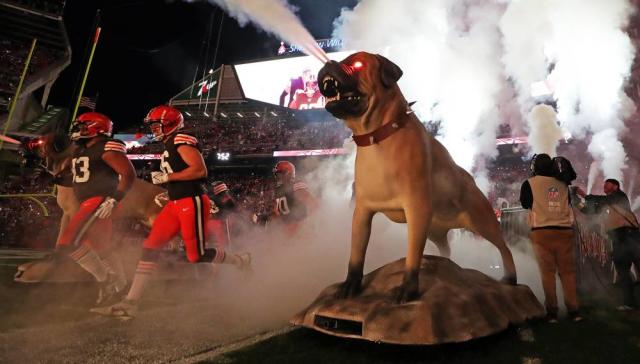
(36, 180)
(13, 55)
(254, 191)
(511, 176)
(54, 7)
(240, 137)
(513, 167)
(23, 221)
(5, 99)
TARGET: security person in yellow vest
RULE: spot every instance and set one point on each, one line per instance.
(622, 228)
(551, 221)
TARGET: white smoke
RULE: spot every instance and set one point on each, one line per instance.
(289, 272)
(633, 174)
(591, 57)
(593, 174)
(454, 54)
(606, 146)
(525, 33)
(277, 17)
(449, 52)
(544, 132)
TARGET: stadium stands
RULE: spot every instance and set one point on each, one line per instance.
(20, 23)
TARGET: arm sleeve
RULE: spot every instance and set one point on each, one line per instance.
(599, 201)
(526, 196)
(186, 139)
(115, 145)
(595, 203)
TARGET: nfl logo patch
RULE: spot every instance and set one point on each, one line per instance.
(553, 193)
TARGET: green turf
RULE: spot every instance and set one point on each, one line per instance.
(605, 336)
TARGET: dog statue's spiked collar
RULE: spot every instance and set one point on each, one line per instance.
(379, 134)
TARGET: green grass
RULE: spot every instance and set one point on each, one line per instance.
(605, 336)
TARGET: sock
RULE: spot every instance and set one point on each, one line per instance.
(220, 256)
(213, 255)
(90, 261)
(113, 262)
(140, 279)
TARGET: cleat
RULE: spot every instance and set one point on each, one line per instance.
(575, 316)
(551, 318)
(110, 291)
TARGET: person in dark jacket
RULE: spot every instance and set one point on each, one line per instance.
(621, 226)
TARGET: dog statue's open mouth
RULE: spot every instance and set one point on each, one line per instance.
(343, 99)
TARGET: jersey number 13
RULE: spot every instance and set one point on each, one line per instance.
(80, 169)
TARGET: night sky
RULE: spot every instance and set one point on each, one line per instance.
(149, 49)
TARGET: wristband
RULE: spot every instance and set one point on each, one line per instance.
(118, 195)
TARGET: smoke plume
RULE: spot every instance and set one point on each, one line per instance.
(289, 272)
(277, 17)
(593, 174)
(449, 51)
(581, 50)
(544, 132)
(605, 146)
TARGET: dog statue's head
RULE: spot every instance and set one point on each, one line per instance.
(350, 85)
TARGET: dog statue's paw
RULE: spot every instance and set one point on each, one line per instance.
(408, 290)
(405, 294)
(510, 279)
(351, 287)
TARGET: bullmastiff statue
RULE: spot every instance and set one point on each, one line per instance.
(401, 171)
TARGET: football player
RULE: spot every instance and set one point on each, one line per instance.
(293, 201)
(102, 174)
(222, 206)
(187, 212)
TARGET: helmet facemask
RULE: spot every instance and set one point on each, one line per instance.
(81, 131)
(280, 177)
(159, 131)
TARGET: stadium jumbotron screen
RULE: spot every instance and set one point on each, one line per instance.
(289, 82)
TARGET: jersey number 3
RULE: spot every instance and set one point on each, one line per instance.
(80, 169)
